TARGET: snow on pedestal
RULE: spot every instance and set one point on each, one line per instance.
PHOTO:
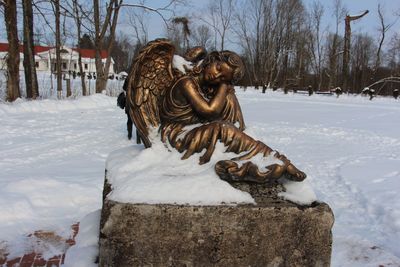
(157, 175)
(159, 210)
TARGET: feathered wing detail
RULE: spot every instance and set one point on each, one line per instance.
(150, 76)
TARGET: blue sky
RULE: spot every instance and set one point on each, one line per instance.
(368, 24)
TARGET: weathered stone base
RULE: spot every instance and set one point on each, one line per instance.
(272, 233)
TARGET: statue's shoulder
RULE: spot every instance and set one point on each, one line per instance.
(187, 81)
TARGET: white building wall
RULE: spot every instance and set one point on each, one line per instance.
(69, 62)
(3, 61)
(45, 62)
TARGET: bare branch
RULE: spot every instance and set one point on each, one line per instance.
(158, 11)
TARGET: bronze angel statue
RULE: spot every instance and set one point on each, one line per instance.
(194, 109)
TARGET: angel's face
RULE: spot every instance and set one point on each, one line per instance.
(218, 72)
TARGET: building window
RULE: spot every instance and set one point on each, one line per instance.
(64, 65)
(74, 66)
(37, 64)
(86, 66)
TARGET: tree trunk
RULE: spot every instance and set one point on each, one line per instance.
(346, 50)
(32, 88)
(58, 48)
(83, 76)
(346, 53)
(383, 30)
(333, 62)
(10, 18)
(68, 84)
(98, 42)
(110, 21)
(284, 71)
(101, 80)
(78, 25)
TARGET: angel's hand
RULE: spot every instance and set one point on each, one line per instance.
(228, 88)
(231, 89)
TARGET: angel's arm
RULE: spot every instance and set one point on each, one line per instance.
(213, 108)
(232, 112)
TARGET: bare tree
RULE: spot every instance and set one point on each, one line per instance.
(384, 27)
(292, 12)
(31, 82)
(315, 44)
(10, 19)
(55, 33)
(363, 49)
(248, 28)
(185, 29)
(220, 19)
(333, 43)
(57, 21)
(78, 18)
(108, 25)
(272, 36)
(175, 35)
(346, 49)
(201, 36)
(44, 29)
(122, 52)
(137, 19)
(394, 55)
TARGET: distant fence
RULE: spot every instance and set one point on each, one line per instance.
(48, 86)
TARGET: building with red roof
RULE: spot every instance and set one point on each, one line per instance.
(45, 58)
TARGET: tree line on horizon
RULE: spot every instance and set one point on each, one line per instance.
(286, 44)
(283, 43)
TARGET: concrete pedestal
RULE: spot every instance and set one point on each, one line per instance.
(272, 233)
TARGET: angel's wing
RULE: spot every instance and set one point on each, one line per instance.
(150, 76)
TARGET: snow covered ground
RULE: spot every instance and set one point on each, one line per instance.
(52, 157)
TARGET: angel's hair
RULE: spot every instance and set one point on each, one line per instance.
(231, 58)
